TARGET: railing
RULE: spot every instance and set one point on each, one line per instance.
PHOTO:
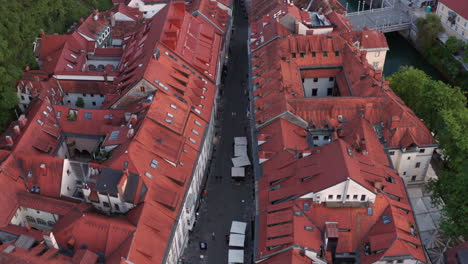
(375, 10)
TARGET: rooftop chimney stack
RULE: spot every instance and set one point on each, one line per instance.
(9, 140)
(130, 133)
(22, 120)
(17, 130)
(43, 169)
(96, 14)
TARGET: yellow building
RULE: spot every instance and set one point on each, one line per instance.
(454, 17)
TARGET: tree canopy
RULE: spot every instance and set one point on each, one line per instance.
(20, 23)
(428, 29)
(444, 110)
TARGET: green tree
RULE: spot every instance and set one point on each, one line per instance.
(20, 23)
(410, 84)
(428, 29)
(449, 191)
(443, 109)
(80, 102)
(453, 44)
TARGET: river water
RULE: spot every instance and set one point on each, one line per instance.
(401, 52)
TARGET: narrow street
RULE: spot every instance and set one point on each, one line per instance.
(224, 200)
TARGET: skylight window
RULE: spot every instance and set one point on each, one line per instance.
(147, 174)
(198, 123)
(193, 140)
(173, 106)
(88, 115)
(45, 113)
(49, 108)
(40, 122)
(170, 115)
(74, 56)
(386, 219)
(59, 114)
(195, 132)
(114, 135)
(69, 66)
(154, 164)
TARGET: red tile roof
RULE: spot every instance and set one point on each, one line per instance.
(178, 54)
(458, 6)
(366, 117)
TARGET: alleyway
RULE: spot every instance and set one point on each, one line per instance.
(225, 200)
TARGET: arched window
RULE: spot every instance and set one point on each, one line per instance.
(30, 219)
(41, 221)
(50, 223)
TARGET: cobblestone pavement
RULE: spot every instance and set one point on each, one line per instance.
(225, 200)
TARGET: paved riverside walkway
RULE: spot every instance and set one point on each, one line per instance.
(225, 200)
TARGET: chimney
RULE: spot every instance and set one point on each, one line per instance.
(22, 120)
(133, 119)
(363, 56)
(9, 141)
(112, 19)
(130, 133)
(43, 169)
(81, 20)
(17, 130)
(395, 122)
(27, 68)
(96, 14)
(42, 34)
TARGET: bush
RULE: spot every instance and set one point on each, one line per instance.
(80, 102)
(454, 45)
(443, 108)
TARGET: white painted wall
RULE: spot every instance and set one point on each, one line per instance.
(21, 213)
(187, 216)
(405, 163)
(92, 101)
(313, 256)
(148, 10)
(406, 261)
(345, 188)
(122, 17)
(62, 151)
(376, 58)
(321, 84)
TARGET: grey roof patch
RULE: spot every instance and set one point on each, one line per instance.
(108, 180)
(130, 189)
(25, 242)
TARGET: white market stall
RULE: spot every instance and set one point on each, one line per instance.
(238, 227)
(236, 256)
(240, 150)
(240, 141)
(238, 172)
(240, 161)
(236, 240)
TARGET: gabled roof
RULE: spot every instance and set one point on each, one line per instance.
(458, 6)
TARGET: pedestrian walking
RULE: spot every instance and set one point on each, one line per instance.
(213, 236)
(227, 239)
